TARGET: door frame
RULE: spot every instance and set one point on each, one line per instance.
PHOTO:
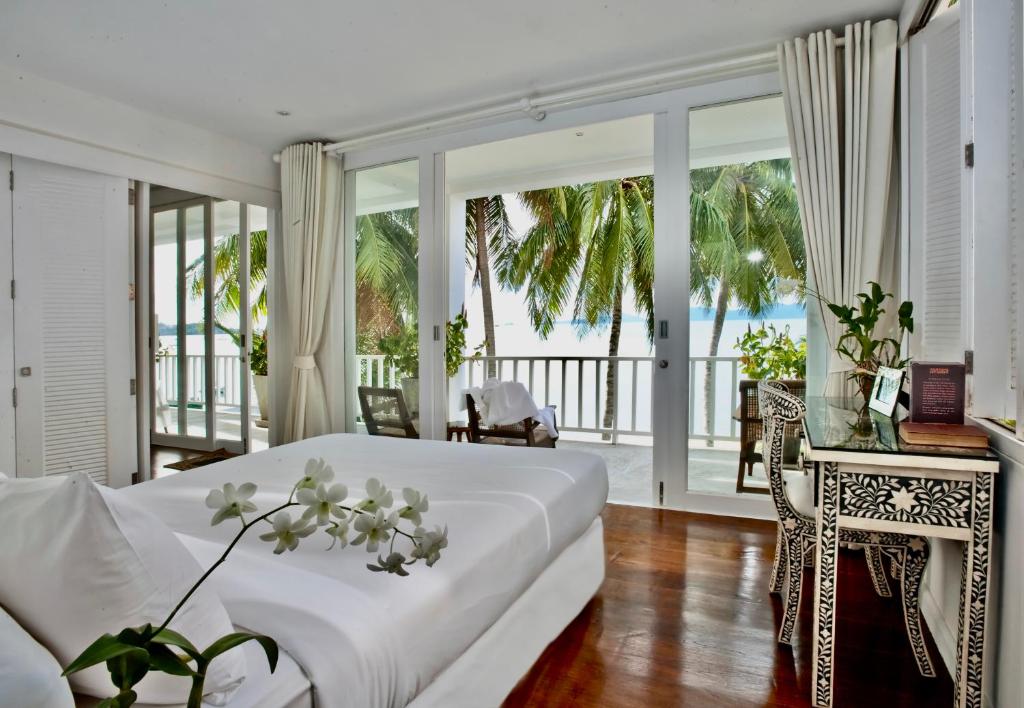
(210, 441)
(672, 240)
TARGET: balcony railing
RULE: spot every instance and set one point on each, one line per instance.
(578, 387)
(227, 386)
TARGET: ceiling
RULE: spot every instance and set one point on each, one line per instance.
(344, 68)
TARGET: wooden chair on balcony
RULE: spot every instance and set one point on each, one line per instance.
(385, 412)
(529, 433)
(752, 429)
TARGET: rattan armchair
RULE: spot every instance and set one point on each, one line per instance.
(529, 432)
(752, 429)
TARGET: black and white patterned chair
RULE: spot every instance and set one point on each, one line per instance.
(793, 495)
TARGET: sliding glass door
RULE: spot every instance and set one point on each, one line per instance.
(383, 285)
(202, 322)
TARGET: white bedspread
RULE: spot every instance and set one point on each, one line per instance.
(371, 639)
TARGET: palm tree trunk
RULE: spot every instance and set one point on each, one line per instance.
(483, 264)
(613, 350)
(721, 306)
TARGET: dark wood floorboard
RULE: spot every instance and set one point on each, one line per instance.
(684, 618)
(160, 455)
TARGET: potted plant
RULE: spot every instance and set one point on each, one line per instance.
(770, 354)
(859, 344)
(766, 353)
(258, 366)
(402, 351)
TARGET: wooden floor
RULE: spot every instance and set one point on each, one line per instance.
(684, 618)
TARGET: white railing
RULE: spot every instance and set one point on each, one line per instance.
(578, 387)
(227, 373)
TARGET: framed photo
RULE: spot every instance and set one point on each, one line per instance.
(886, 390)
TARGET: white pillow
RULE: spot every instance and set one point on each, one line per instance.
(91, 561)
(29, 675)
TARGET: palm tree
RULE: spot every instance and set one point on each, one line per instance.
(487, 230)
(387, 274)
(596, 238)
(745, 233)
(226, 271)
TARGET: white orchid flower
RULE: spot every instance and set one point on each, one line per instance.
(230, 502)
(429, 544)
(287, 532)
(339, 533)
(374, 529)
(377, 496)
(416, 504)
(317, 472)
(322, 502)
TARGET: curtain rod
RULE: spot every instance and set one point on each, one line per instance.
(537, 106)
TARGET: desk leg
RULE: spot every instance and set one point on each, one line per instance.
(825, 584)
(973, 593)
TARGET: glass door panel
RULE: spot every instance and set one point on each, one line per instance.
(168, 403)
(386, 296)
(229, 359)
(259, 407)
(745, 237)
(192, 363)
(551, 261)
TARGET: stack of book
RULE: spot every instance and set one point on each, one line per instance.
(943, 434)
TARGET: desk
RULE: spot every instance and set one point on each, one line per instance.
(877, 483)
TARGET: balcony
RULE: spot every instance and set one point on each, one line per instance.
(228, 397)
(577, 386)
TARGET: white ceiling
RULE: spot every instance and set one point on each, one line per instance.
(343, 68)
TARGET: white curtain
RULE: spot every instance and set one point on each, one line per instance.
(311, 215)
(840, 110)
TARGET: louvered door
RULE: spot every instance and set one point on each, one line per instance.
(71, 316)
(940, 251)
(7, 457)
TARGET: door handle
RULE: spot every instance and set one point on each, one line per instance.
(662, 363)
(25, 371)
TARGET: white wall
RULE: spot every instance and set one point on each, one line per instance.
(49, 121)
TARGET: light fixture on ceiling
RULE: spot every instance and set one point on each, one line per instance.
(579, 133)
(284, 113)
(755, 256)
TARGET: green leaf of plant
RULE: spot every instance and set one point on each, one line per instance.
(230, 641)
(172, 638)
(103, 649)
(162, 658)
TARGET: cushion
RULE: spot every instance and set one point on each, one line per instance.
(90, 561)
(800, 491)
(29, 675)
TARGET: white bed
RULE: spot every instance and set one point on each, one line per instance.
(525, 555)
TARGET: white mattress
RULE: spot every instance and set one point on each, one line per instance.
(369, 639)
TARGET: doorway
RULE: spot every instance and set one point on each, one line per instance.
(208, 321)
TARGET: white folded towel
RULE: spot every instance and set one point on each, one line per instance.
(509, 402)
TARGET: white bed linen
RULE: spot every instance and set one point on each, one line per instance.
(369, 639)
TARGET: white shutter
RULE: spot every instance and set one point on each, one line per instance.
(71, 323)
(7, 458)
(938, 275)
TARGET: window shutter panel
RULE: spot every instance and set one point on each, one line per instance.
(74, 409)
(938, 254)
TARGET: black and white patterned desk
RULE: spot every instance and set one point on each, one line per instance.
(877, 483)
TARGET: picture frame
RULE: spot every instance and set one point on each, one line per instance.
(886, 390)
